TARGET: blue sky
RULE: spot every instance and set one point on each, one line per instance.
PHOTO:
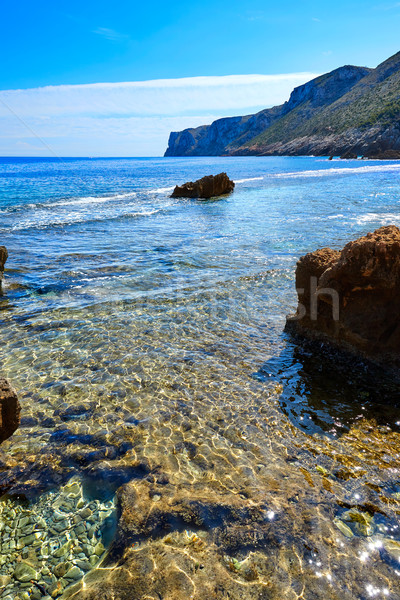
(63, 43)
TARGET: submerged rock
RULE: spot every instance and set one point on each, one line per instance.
(9, 410)
(207, 187)
(3, 259)
(350, 298)
(25, 573)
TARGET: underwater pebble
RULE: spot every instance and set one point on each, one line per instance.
(345, 529)
(55, 542)
(392, 547)
(74, 573)
(24, 573)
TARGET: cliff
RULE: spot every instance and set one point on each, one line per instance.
(349, 109)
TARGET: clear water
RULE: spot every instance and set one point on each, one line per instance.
(132, 323)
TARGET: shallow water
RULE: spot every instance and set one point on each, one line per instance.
(146, 332)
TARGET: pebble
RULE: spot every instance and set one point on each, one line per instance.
(392, 547)
(60, 569)
(99, 549)
(83, 564)
(24, 573)
(74, 573)
(345, 529)
(54, 540)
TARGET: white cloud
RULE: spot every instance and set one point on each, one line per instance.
(111, 34)
(131, 118)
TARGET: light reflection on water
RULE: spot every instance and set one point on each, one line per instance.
(142, 331)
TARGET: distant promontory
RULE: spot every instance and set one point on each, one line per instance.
(351, 109)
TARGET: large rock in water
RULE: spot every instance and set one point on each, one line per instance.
(351, 298)
(9, 410)
(3, 259)
(207, 187)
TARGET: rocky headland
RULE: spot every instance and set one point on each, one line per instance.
(209, 186)
(350, 299)
(351, 110)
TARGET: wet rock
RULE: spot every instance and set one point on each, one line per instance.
(4, 580)
(9, 410)
(24, 573)
(56, 589)
(99, 549)
(33, 549)
(83, 564)
(61, 568)
(71, 412)
(3, 259)
(29, 422)
(392, 547)
(74, 573)
(350, 298)
(345, 529)
(349, 155)
(384, 155)
(206, 187)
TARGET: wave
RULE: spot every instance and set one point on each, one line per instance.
(78, 220)
(159, 190)
(335, 171)
(248, 179)
(99, 199)
(93, 199)
(379, 218)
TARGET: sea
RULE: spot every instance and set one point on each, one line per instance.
(127, 314)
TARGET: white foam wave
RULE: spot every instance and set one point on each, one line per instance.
(336, 171)
(379, 219)
(75, 219)
(160, 190)
(94, 199)
(248, 179)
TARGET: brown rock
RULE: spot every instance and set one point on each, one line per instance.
(3, 259)
(384, 155)
(351, 298)
(349, 155)
(9, 410)
(207, 187)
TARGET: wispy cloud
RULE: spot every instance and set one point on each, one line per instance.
(111, 34)
(388, 6)
(131, 118)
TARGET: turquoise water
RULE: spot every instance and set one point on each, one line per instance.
(130, 321)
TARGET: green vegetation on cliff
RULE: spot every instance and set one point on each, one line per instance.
(351, 108)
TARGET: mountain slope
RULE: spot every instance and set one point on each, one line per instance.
(350, 108)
